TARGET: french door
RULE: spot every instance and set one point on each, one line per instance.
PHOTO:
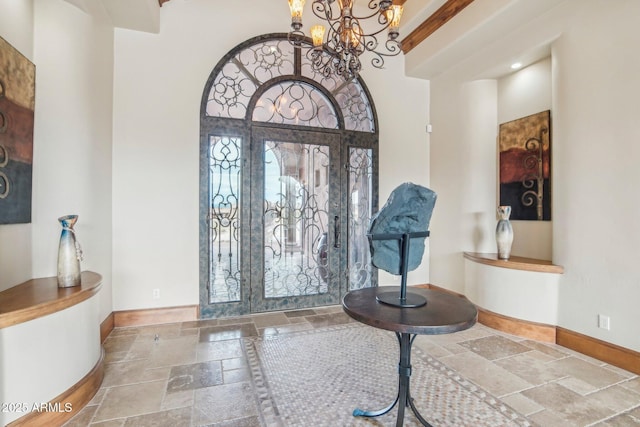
(296, 242)
(288, 212)
(288, 181)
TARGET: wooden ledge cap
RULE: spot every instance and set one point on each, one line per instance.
(39, 297)
(515, 262)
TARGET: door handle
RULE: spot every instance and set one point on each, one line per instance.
(336, 231)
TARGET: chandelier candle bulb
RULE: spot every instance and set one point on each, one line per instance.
(296, 7)
(317, 35)
(394, 13)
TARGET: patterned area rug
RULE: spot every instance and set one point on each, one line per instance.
(317, 378)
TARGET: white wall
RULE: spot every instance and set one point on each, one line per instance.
(596, 229)
(463, 171)
(73, 54)
(526, 92)
(159, 80)
(595, 89)
(16, 27)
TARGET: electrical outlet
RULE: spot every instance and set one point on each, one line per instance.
(604, 322)
(156, 293)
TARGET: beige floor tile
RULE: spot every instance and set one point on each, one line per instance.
(236, 376)
(165, 331)
(494, 347)
(110, 423)
(549, 418)
(119, 343)
(287, 329)
(195, 376)
(624, 420)
(486, 374)
(227, 332)
(219, 350)
(234, 363)
(324, 320)
(170, 418)
(178, 399)
(122, 373)
(588, 372)
(223, 403)
(270, 319)
(522, 404)
(118, 356)
(577, 385)
(632, 384)
(531, 367)
(616, 397)
(173, 352)
(573, 409)
(551, 350)
(141, 348)
(124, 331)
(131, 400)
(430, 347)
(83, 418)
(235, 320)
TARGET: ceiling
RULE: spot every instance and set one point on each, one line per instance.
(480, 37)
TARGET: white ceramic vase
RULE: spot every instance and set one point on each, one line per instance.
(69, 254)
(504, 232)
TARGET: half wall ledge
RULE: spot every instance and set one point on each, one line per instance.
(515, 262)
(51, 358)
(520, 289)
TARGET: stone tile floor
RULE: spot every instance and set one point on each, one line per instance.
(146, 373)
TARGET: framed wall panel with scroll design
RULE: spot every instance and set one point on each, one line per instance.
(17, 101)
(525, 167)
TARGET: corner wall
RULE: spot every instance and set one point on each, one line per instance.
(16, 27)
(73, 54)
(595, 89)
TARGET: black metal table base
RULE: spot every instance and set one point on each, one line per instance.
(403, 399)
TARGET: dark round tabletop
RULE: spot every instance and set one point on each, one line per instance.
(444, 313)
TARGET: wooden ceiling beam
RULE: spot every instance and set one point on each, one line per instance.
(440, 17)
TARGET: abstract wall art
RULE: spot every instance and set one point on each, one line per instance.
(17, 101)
(525, 167)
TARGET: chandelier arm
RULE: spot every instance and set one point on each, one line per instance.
(378, 60)
(377, 32)
(324, 11)
(393, 47)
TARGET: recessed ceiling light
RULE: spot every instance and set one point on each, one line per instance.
(516, 65)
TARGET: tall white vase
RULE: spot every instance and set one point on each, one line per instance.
(69, 254)
(504, 232)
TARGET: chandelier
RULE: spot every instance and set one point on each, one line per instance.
(339, 52)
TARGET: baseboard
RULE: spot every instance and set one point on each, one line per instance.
(106, 327)
(519, 327)
(610, 353)
(68, 404)
(155, 316)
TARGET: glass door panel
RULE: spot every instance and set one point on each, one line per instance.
(224, 218)
(295, 218)
(297, 239)
(360, 202)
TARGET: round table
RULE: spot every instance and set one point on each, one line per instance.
(444, 313)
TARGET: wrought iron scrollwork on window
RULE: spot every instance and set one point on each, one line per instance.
(224, 218)
(360, 169)
(264, 59)
(295, 103)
